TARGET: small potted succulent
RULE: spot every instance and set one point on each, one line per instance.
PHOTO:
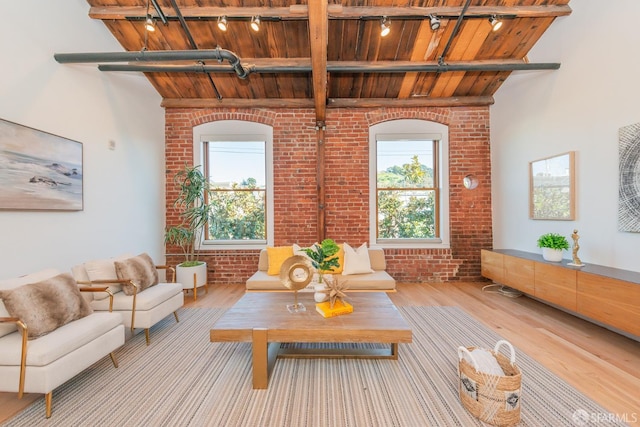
(552, 245)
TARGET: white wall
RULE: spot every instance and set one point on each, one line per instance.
(123, 188)
(579, 107)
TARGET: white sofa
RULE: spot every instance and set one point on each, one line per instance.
(378, 280)
(41, 364)
(145, 307)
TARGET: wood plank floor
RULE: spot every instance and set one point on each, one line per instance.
(602, 364)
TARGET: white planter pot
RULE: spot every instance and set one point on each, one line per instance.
(192, 277)
(554, 255)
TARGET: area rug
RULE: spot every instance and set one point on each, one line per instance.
(182, 379)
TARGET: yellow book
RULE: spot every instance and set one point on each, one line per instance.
(340, 307)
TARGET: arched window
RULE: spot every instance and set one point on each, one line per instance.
(237, 157)
(409, 194)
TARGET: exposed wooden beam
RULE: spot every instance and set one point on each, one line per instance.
(319, 38)
(236, 103)
(455, 101)
(333, 12)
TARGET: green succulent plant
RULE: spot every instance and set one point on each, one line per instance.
(553, 241)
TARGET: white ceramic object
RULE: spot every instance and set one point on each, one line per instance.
(185, 275)
(554, 255)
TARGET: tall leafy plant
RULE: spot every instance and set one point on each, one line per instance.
(194, 212)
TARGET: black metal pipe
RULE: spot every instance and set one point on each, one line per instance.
(150, 56)
(419, 68)
(454, 32)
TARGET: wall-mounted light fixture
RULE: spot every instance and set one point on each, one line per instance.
(385, 26)
(255, 23)
(495, 23)
(470, 182)
(222, 23)
(434, 21)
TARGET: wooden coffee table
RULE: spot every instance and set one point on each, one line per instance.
(262, 319)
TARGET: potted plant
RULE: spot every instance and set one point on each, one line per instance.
(552, 245)
(323, 257)
(195, 214)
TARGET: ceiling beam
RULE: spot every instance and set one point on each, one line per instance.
(333, 12)
(319, 39)
(455, 101)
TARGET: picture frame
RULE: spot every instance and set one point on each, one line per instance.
(39, 171)
(552, 188)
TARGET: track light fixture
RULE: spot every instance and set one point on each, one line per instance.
(434, 21)
(150, 24)
(385, 26)
(495, 23)
(255, 23)
(222, 23)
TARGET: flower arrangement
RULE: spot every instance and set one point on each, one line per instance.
(323, 256)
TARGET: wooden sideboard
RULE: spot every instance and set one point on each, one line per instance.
(608, 296)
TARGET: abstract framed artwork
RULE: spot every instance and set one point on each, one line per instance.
(629, 180)
(38, 170)
(552, 188)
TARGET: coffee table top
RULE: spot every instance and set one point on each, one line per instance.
(374, 319)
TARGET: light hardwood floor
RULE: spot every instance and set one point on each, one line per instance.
(602, 364)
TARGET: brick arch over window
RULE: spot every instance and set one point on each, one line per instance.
(438, 115)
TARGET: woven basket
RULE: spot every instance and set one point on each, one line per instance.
(493, 399)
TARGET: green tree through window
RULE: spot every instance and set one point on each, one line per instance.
(407, 192)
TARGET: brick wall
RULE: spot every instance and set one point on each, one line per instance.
(347, 186)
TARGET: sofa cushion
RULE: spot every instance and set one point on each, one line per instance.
(277, 255)
(356, 261)
(104, 269)
(140, 270)
(376, 281)
(46, 305)
(147, 300)
(7, 328)
(65, 339)
(376, 257)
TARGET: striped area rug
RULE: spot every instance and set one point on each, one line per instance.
(182, 379)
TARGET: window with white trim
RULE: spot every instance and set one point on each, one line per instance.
(408, 184)
(238, 167)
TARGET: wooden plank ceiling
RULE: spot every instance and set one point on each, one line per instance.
(329, 53)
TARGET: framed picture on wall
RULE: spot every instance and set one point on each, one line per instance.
(552, 187)
(38, 170)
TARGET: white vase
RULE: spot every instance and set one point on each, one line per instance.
(192, 277)
(554, 255)
(320, 296)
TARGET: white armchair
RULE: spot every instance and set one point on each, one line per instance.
(43, 346)
(138, 295)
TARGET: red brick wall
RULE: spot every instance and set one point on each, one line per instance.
(347, 185)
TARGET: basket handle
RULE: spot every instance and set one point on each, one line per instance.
(508, 344)
(462, 350)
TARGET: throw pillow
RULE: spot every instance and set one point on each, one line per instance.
(340, 256)
(276, 256)
(356, 261)
(45, 306)
(140, 270)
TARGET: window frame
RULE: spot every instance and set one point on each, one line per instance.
(225, 130)
(412, 129)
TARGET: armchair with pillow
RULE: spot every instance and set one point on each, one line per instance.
(138, 295)
(362, 268)
(49, 333)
